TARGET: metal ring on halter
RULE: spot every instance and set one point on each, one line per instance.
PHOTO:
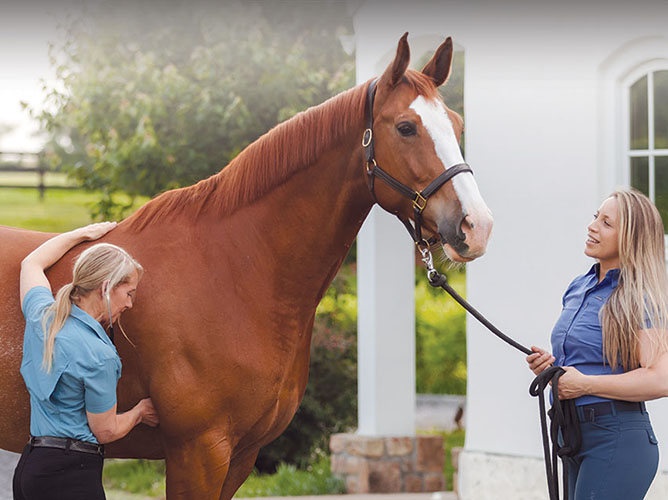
(368, 171)
(367, 137)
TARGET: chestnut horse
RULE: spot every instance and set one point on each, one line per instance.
(236, 265)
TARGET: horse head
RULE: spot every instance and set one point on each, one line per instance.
(416, 139)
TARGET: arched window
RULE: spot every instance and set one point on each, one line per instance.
(647, 134)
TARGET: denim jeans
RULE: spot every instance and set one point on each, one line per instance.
(618, 459)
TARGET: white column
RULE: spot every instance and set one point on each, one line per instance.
(386, 327)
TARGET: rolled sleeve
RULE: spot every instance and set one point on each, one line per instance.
(100, 387)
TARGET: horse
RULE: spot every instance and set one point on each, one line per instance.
(236, 264)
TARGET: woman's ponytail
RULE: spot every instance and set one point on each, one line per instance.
(54, 320)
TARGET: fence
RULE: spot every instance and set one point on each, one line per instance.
(27, 163)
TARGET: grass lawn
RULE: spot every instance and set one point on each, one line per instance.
(60, 210)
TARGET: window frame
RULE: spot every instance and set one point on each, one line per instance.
(648, 69)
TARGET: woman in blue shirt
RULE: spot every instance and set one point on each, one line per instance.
(611, 340)
(71, 367)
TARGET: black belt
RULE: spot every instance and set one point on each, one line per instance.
(66, 444)
(587, 413)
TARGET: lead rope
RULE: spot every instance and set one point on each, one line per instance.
(563, 415)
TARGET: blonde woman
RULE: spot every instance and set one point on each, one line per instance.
(71, 367)
(611, 340)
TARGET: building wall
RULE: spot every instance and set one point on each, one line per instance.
(543, 134)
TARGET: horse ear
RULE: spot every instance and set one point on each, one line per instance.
(438, 67)
(397, 68)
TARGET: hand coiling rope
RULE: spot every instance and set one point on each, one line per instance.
(564, 427)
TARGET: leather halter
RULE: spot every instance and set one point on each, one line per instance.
(419, 198)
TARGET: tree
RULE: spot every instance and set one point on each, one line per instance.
(154, 96)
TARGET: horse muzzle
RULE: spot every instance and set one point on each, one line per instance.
(465, 238)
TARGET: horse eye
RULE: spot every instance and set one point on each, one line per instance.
(406, 129)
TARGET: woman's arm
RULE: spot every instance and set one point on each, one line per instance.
(49, 252)
(111, 426)
(648, 382)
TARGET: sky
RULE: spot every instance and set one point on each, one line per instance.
(26, 28)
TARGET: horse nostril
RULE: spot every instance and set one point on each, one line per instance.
(469, 222)
(461, 235)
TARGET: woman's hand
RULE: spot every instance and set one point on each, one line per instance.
(49, 252)
(539, 360)
(96, 230)
(573, 384)
(148, 414)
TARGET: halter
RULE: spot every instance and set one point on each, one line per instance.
(419, 198)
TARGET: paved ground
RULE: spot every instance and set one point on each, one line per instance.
(398, 496)
(440, 495)
(7, 463)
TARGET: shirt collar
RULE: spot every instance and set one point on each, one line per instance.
(91, 322)
(611, 276)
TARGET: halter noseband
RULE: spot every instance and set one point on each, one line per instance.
(419, 198)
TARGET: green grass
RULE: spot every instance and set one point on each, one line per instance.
(451, 440)
(317, 479)
(59, 211)
(145, 477)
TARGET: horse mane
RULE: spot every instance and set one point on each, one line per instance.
(272, 159)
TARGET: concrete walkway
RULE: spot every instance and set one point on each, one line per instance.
(441, 495)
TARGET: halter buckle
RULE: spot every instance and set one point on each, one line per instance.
(367, 137)
(420, 202)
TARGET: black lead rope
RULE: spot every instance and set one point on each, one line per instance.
(564, 426)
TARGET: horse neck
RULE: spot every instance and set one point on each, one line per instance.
(306, 226)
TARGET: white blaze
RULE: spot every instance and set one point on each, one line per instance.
(437, 123)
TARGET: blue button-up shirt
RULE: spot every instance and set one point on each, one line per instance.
(577, 338)
(83, 377)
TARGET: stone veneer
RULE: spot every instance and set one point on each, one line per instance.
(388, 464)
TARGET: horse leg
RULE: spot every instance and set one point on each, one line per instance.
(196, 469)
(240, 468)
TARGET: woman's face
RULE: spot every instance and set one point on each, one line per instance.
(602, 235)
(122, 296)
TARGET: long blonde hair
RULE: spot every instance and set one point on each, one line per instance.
(641, 295)
(97, 264)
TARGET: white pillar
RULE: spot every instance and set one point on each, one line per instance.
(386, 327)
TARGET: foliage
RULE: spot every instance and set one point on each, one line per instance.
(330, 400)
(315, 479)
(135, 476)
(440, 338)
(151, 97)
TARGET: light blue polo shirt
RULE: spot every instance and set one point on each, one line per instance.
(83, 377)
(577, 338)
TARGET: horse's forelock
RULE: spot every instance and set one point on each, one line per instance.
(422, 84)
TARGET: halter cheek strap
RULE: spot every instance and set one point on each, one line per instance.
(419, 198)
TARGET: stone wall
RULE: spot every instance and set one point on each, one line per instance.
(388, 464)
